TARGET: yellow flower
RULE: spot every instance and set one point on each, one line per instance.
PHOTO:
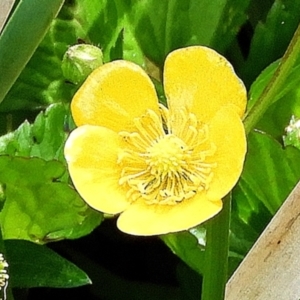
(163, 169)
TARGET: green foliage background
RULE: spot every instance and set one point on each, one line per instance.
(39, 204)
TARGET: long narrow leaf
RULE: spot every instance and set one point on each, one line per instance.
(23, 33)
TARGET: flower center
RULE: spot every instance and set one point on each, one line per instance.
(166, 158)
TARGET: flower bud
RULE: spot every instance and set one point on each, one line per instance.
(79, 61)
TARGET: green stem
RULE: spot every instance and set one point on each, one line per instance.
(275, 85)
(216, 254)
(217, 234)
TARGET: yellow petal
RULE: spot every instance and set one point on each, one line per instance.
(113, 95)
(144, 219)
(91, 154)
(227, 132)
(202, 80)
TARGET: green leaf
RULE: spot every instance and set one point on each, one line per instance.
(189, 246)
(38, 207)
(232, 15)
(270, 173)
(131, 48)
(21, 37)
(129, 29)
(102, 21)
(99, 22)
(162, 26)
(271, 37)
(41, 82)
(285, 104)
(242, 236)
(44, 138)
(276, 171)
(261, 82)
(34, 265)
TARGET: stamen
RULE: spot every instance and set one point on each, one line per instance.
(165, 117)
(148, 126)
(165, 161)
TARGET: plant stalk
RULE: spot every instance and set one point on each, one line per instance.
(216, 254)
(276, 83)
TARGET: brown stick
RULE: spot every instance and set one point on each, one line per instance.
(271, 270)
(5, 8)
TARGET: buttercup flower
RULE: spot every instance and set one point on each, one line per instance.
(162, 169)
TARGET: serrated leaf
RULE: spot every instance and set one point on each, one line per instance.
(32, 265)
(44, 138)
(38, 207)
(271, 37)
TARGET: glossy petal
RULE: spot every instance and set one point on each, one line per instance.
(113, 95)
(202, 80)
(91, 154)
(196, 78)
(227, 132)
(143, 219)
